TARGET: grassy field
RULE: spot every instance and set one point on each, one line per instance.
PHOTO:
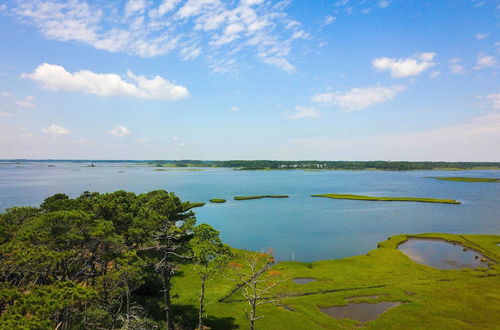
(432, 298)
(217, 200)
(465, 179)
(388, 199)
(242, 198)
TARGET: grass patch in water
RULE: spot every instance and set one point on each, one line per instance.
(242, 198)
(189, 206)
(388, 199)
(465, 179)
(217, 200)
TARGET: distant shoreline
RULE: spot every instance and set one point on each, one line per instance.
(269, 165)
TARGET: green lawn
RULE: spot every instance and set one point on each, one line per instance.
(242, 198)
(465, 179)
(388, 199)
(433, 298)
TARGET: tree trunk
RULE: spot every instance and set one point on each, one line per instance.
(167, 300)
(252, 315)
(202, 306)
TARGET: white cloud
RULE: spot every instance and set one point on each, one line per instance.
(175, 138)
(405, 67)
(384, 3)
(329, 20)
(165, 7)
(359, 98)
(485, 61)
(235, 109)
(456, 67)
(27, 102)
(55, 130)
(119, 130)
(134, 7)
(305, 112)
(55, 77)
(152, 28)
(481, 36)
(280, 62)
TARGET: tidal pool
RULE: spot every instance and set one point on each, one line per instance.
(362, 312)
(303, 280)
(441, 254)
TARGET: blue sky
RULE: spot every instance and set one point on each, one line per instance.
(250, 79)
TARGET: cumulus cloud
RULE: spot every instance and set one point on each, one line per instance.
(359, 98)
(485, 61)
(153, 28)
(55, 130)
(119, 130)
(235, 109)
(405, 67)
(305, 112)
(56, 77)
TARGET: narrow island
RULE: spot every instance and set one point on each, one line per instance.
(190, 206)
(465, 179)
(217, 200)
(242, 198)
(388, 199)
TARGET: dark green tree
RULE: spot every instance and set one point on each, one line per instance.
(210, 256)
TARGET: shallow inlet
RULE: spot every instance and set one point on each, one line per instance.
(441, 254)
(303, 280)
(362, 312)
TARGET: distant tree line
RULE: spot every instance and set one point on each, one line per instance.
(341, 165)
(291, 164)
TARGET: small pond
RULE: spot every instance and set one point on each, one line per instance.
(303, 280)
(362, 312)
(441, 254)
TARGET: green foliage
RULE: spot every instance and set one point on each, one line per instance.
(388, 199)
(242, 198)
(81, 262)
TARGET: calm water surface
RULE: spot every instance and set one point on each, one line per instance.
(441, 254)
(300, 226)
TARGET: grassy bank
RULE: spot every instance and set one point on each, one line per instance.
(465, 179)
(432, 298)
(388, 199)
(242, 198)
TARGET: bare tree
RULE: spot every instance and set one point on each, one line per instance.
(257, 280)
